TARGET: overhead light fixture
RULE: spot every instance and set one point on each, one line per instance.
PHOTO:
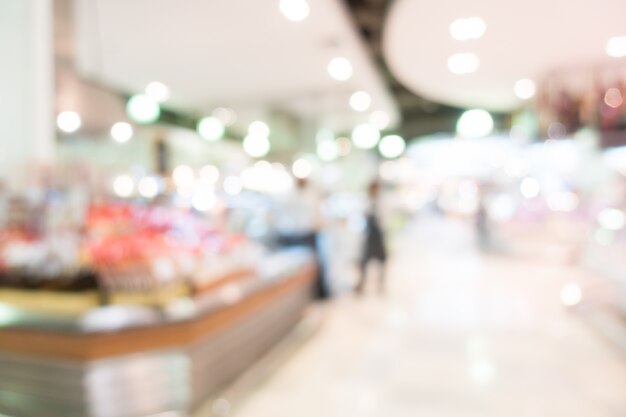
(256, 146)
(525, 88)
(327, 150)
(469, 28)
(158, 91)
(612, 219)
(474, 123)
(340, 68)
(301, 168)
(121, 132)
(571, 294)
(463, 63)
(203, 200)
(258, 128)
(616, 46)
(391, 146)
(365, 136)
(148, 187)
(183, 176)
(379, 119)
(143, 109)
(210, 128)
(69, 121)
(360, 101)
(530, 188)
(123, 186)
(295, 10)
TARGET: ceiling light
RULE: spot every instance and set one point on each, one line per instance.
(571, 294)
(340, 68)
(616, 46)
(530, 188)
(463, 63)
(203, 200)
(183, 176)
(379, 119)
(69, 121)
(360, 101)
(121, 132)
(613, 98)
(301, 168)
(327, 150)
(474, 124)
(143, 109)
(365, 136)
(468, 28)
(148, 187)
(211, 129)
(525, 88)
(123, 186)
(295, 10)
(258, 128)
(158, 91)
(256, 146)
(612, 219)
(391, 146)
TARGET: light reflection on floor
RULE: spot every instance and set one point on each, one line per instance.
(456, 334)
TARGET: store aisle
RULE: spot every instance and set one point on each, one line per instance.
(457, 334)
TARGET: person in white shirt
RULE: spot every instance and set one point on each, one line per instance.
(298, 223)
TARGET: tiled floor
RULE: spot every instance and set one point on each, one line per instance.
(457, 334)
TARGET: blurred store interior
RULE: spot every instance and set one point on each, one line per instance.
(284, 208)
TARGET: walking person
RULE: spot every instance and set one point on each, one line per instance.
(374, 245)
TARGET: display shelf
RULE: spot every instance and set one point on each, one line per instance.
(172, 362)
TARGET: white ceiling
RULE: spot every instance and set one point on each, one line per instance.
(239, 53)
(524, 39)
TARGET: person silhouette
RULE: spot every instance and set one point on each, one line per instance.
(374, 245)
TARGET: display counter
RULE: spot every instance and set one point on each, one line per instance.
(123, 361)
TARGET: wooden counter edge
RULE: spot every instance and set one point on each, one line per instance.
(105, 345)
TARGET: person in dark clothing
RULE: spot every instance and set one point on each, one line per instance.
(374, 244)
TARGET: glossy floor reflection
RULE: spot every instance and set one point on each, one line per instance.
(456, 334)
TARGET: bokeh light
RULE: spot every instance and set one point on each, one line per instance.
(211, 128)
(365, 136)
(69, 121)
(121, 132)
(143, 109)
(340, 68)
(123, 186)
(392, 146)
(158, 92)
(295, 10)
(360, 101)
(469, 28)
(463, 63)
(525, 88)
(301, 168)
(474, 123)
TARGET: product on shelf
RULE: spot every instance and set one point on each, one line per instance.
(124, 253)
